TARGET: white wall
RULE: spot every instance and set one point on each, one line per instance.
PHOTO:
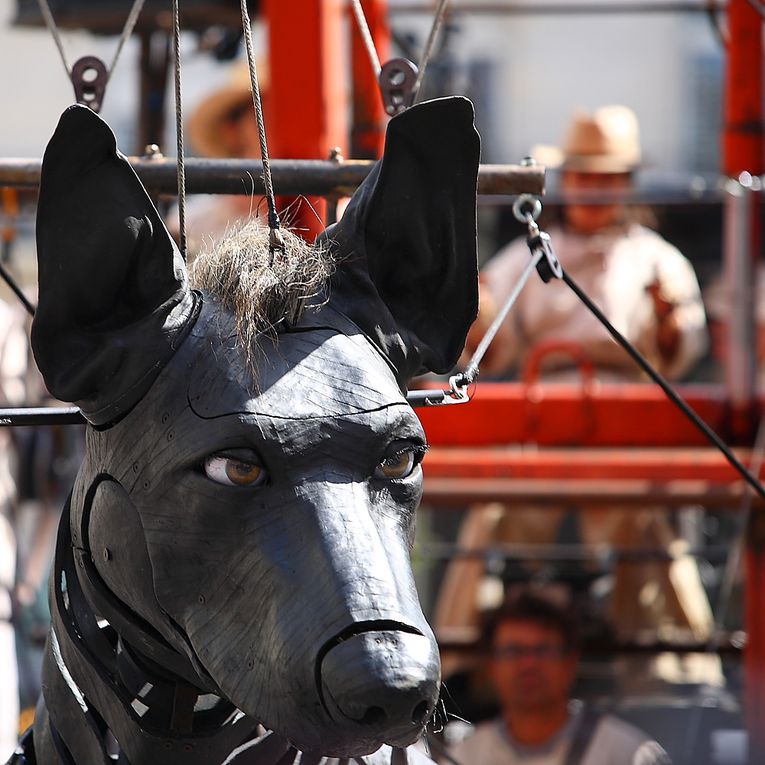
(546, 65)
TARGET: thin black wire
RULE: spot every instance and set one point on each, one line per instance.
(641, 361)
(11, 282)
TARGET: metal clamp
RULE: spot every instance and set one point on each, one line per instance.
(526, 209)
(549, 266)
(397, 79)
(457, 394)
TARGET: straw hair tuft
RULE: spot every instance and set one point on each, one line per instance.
(265, 291)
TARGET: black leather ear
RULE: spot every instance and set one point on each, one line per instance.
(408, 275)
(114, 301)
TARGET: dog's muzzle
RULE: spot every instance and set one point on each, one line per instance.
(385, 680)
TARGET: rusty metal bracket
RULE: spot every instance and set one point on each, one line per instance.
(89, 77)
(397, 80)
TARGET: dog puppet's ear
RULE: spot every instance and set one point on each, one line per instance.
(114, 301)
(407, 273)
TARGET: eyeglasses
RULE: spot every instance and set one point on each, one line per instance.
(546, 652)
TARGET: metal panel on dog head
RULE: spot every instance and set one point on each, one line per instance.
(289, 595)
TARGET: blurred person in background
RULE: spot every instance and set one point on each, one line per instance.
(645, 286)
(534, 646)
(649, 291)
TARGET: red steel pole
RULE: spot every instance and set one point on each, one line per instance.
(307, 92)
(744, 152)
(369, 118)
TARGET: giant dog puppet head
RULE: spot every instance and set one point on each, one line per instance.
(245, 532)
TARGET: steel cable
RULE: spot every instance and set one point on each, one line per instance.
(127, 30)
(180, 160)
(366, 36)
(276, 242)
(429, 47)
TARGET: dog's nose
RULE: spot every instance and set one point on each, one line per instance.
(384, 680)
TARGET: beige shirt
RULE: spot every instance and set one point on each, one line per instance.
(614, 742)
(614, 270)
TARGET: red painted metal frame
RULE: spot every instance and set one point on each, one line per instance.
(369, 118)
(544, 443)
(307, 92)
(623, 415)
(744, 150)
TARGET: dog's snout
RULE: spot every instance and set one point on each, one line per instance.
(384, 680)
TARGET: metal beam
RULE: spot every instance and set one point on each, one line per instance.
(291, 176)
(532, 7)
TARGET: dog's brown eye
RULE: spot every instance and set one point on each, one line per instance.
(234, 472)
(400, 464)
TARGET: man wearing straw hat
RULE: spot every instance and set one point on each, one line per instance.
(643, 284)
(649, 290)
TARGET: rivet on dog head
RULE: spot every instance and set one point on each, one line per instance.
(146, 484)
(135, 467)
(170, 435)
(165, 417)
(202, 599)
(250, 664)
(107, 554)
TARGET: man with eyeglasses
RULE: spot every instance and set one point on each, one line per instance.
(535, 655)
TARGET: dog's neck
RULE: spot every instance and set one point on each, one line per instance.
(107, 682)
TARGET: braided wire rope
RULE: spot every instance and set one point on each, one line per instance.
(366, 36)
(430, 45)
(374, 57)
(180, 159)
(127, 30)
(276, 241)
(470, 373)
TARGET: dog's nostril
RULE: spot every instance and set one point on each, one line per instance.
(420, 713)
(374, 716)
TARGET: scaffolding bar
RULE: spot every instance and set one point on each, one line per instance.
(290, 176)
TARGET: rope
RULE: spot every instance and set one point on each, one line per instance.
(50, 22)
(429, 46)
(276, 241)
(470, 374)
(366, 36)
(127, 30)
(180, 161)
(665, 386)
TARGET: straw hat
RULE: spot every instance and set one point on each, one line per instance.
(204, 125)
(606, 141)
